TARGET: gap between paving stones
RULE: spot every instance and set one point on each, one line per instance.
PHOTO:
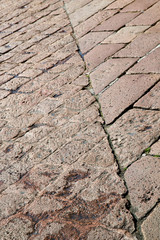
(120, 171)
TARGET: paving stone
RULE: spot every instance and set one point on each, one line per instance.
(108, 71)
(148, 17)
(16, 228)
(132, 133)
(125, 34)
(139, 5)
(14, 198)
(87, 11)
(99, 53)
(92, 22)
(119, 4)
(155, 149)
(154, 29)
(151, 100)
(116, 22)
(140, 46)
(143, 184)
(150, 227)
(144, 65)
(72, 6)
(123, 93)
(91, 39)
(105, 234)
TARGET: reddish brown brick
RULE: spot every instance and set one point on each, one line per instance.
(116, 22)
(98, 54)
(91, 39)
(139, 5)
(143, 182)
(119, 4)
(145, 66)
(154, 29)
(141, 45)
(125, 34)
(148, 17)
(108, 71)
(92, 22)
(123, 93)
(132, 133)
(151, 100)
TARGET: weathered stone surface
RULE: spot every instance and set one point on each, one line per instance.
(115, 22)
(88, 41)
(16, 228)
(144, 65)
(123, 93)
(140, 46)
(119, 4)
(155, 149)
(132, 133)
(108, 71)
(125, 34)
(143, 182)
(138, 5)
(99, 53)
(105, 234)
(150, 227)
(88, 10)
(151, 100)
(149, 17)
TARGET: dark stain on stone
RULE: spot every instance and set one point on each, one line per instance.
(9, 148)
(75, 176)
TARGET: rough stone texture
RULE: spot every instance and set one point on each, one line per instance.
(123, 93)
(132, 133)
(139, 5)
(125, 35)
(140, 46)
(91, 39)
(119, 4)
(151, 100)
(115, 22)
(155, 149)
(144, 65)
(88, 10)
(58, 176)
(108, 71)
(150, 227)
(92, 22)
(105, 234)
(99, 53)
(148, 17)
(143, 182)
(16, 228)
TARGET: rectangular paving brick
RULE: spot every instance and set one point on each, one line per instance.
(92, 22)
(139, 5)
(149, 64)
(116, 22)
(73, 5)
(125, 34)
(123, 93)
(91, 39)
(108, 71)
(119, 4)
(148, 17)
(141, 45)
(154, 29)
(99, 53)
(151, 100)
(88, 10)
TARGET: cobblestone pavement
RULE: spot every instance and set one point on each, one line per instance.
(80, 120)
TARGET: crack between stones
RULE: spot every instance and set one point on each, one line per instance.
(119, 172)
